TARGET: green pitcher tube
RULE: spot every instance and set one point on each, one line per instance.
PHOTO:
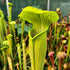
(10, 12)
(37, 49)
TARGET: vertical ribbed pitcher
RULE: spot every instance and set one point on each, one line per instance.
(37, 48)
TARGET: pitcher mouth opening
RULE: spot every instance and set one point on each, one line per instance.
(33, 33)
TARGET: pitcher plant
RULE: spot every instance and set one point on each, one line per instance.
(41, 19)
